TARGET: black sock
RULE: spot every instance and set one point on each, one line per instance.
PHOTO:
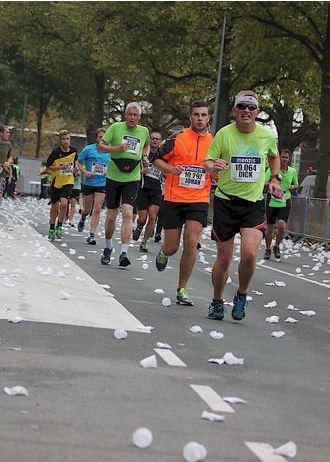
(216, 300)
(240, 295)
(59, 224)
(92, 234)
(52, 226)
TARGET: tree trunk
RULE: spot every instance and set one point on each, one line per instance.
(324, 154)
(95, 120)
(44, 100)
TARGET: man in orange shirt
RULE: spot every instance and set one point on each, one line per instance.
(187, 193)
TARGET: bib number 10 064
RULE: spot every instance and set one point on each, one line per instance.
(245, 169)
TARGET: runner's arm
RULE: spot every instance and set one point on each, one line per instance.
(105, 147)
(160, 157)
(274, 184)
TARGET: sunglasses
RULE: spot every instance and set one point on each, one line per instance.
(242, 106)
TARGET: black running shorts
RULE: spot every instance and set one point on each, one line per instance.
(75, 193)
(148, 197)
(89, 190)
(278, 213)
(57, 193)
(175, 214)
(229, 216)
(119, 191)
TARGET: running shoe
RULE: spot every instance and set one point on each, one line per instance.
(59, 232)
(143, 248)
(240, 303)
(158, 237)
(267, 255)
(106, 256)
(81, 226)
(182, 297)
(277, 253)
(216, 310)
(124, 260)
(161, 261)
(51, 235)
(136, 233)
(91, 240)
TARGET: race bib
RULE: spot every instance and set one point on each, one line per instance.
(66, 169)
(277, 201)
(192, 177)
(245, 169)
(153, 172)
(99, 169)
(134, 144)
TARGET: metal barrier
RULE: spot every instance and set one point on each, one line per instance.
(310, 217)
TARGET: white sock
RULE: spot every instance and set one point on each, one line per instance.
(124, 248)
(108, 244)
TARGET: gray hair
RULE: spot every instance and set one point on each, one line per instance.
(135, 105)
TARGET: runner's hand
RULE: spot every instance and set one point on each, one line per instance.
(123, 147)
(275, 189)
(89, 174)
(220, 165)
(177, 170)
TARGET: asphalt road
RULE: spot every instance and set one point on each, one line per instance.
(88, 393)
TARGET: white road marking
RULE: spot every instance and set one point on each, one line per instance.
(35, 296)
(264, 452)
(212, 399)
(170, 358)
(322, 284)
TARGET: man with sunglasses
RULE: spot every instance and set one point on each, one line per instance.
(239, 152)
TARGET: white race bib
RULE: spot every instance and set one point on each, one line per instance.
(134, 144)
(66, 169)
(245, 169)
(153, 172)
(192, 177)
(99, 169)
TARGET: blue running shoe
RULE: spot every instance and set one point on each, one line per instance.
(106, 256)
(216, 310)
(240, 303)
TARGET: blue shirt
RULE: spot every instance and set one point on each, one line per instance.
(96, 162)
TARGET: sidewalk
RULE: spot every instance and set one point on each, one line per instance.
(39, 283)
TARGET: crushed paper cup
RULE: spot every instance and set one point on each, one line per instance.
(120, 334)
(212, 417)
(278, 334)
(272, 304)
(15, 319)
(166, 301)
(159, 291)
(288, 449)
(234, 400)
(150, 361)
(216, 335)
(194, 452)
(165, 346)
(308, 312)
(142, 438)
(18, 390)
(291, 320)
(272, 319)
(196, 329)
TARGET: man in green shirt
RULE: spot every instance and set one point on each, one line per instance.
(279, 208)
(239, 152)
(129, 144)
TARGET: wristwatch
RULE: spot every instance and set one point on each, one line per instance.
(278, 177)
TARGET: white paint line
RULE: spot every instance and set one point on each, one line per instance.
(212, 399)
(35, 296)
(264, 452)
(170, 358)
(322, 284)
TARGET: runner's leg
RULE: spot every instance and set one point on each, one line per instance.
(269, 236)
(221, 267)
(153, 212)
(98, 202)
(281, 227)
(126, 228)
(192, 231)
(250, 242)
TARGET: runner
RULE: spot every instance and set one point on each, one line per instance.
(149, 197)
(279, 209)
(128, 143)
(239, 153)
(61, 164)
(74, 197)
(6, 172)
(187, 192)
(93, 164)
